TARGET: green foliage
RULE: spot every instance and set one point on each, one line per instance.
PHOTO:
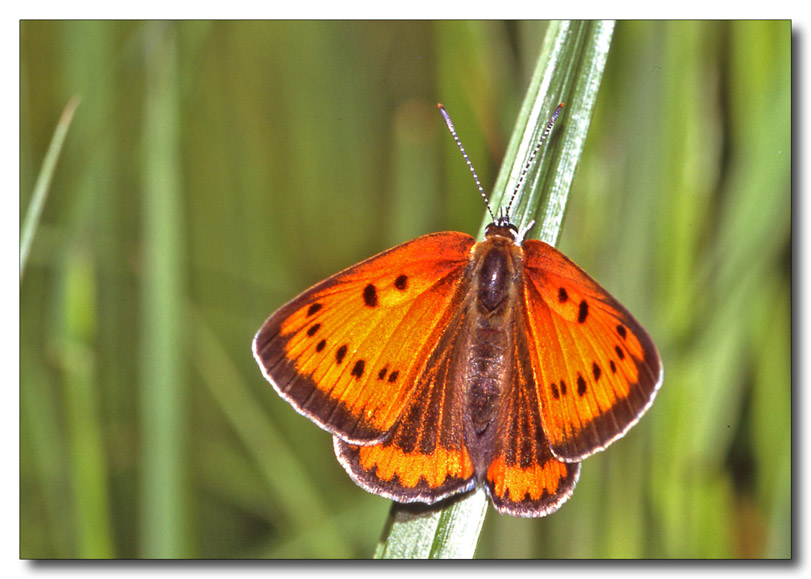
(194, 196)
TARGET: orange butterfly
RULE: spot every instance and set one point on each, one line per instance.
(444, 363)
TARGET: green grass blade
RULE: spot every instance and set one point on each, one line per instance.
(569, 69)
(84, 419)
(43, 183)
(163, 408)
(420, 532)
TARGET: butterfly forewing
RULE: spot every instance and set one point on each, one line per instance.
(597, 370)
(347, 352)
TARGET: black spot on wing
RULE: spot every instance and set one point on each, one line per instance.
(582, 312)
(358, 368)
(581, 385)
(370, 295)
(555, 391)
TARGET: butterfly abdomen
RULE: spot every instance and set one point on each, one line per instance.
(487, 373)
(489, 341)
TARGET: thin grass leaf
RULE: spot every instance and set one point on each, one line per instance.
(43, 183)
(569, 69)
(418, 531)
(163, 408)
(84, 423)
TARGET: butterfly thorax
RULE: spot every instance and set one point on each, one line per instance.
(495, 282)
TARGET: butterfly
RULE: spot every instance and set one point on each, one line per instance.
(446, 363)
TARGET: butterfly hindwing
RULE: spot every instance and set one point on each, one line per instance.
(524, 477)
(424, 457)
(346, 353)
(598, 370)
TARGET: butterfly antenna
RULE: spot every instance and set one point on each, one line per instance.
(464, 154)
(545, 134)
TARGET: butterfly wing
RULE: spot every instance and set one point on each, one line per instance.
(524, 478)
(597, 370)
(347, 352)
(424, 458)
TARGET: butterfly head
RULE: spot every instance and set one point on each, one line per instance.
(503, 227)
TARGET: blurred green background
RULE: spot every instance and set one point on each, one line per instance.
(215, 170)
